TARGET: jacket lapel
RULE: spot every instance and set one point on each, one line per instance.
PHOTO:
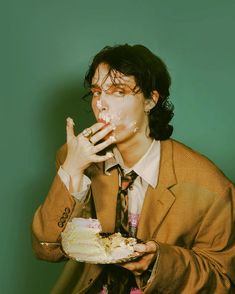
(158, 201)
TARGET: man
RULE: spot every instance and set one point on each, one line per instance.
(178, 202)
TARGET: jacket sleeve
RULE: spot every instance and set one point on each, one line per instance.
(208, 266)
(51, 218)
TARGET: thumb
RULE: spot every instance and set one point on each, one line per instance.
(69, 129)
(148, 247)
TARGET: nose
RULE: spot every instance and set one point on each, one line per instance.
(102, 104)
(103, 107)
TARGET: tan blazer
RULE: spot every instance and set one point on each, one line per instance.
(190, 214)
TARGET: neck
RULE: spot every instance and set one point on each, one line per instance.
(133, 150)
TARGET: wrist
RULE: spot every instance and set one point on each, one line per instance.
(71, 171)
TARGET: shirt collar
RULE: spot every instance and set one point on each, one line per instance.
(147, 167)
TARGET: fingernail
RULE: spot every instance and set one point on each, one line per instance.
(70, 121)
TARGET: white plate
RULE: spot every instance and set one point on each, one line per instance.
(108, 260)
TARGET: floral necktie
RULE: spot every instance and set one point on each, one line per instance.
(127, 180)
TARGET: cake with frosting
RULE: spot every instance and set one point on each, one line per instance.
(82, 240)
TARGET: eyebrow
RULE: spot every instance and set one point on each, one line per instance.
(110, 85)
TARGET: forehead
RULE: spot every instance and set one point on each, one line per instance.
(104, 77)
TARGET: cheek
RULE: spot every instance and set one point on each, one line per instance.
(127, 120)
(135, 119)
(94, 108)
(118, 116)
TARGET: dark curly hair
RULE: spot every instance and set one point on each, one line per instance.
(150, 74)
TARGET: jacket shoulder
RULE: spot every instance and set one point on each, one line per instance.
(192, 166)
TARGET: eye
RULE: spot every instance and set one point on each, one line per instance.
(119, 93)
(96, 93)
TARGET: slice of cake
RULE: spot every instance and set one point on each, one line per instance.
(81, 240)
(81, 237)
(117, 246)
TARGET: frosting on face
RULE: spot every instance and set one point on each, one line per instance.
(132, 126)
(115, 120)
(99, 105)
(114, 102)
(104, 117)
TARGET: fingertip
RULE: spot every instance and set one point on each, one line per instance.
(70, 122)
(140, 247)
(112, 138)
(109, 154)
(69, 129)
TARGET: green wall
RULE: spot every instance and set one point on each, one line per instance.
(45, 49)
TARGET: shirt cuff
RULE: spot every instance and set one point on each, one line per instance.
(84, 188)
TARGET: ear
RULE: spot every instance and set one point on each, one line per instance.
(151, 102)
(155, 96)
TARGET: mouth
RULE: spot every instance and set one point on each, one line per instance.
(102, 121)
(104, 118)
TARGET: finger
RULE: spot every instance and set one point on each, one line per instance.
(148, 247)
(69, 129)
(101, 134)
(140, 266)
(96, 127)
(101, 158)
(135, 268)
(152, 246)
(140, 247)
(103, 145)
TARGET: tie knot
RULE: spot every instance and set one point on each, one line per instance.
(128, 179)
(131, 176)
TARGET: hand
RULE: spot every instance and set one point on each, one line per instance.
(139, 266)
(82, 151)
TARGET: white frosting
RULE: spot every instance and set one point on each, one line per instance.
(99, 104)
(87, 223)
(106, 117)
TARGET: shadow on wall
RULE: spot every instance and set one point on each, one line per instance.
(63, 102)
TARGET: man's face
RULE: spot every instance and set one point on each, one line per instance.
(116, 101)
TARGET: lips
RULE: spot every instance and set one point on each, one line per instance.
(101, 121)
(104, 118)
